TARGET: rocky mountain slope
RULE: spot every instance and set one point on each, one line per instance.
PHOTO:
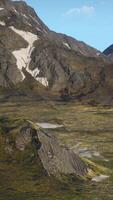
(109, 51)
(37, 62)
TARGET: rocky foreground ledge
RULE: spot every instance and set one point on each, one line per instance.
(56, 160)
(20, 136)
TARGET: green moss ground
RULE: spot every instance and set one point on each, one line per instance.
(90, 127)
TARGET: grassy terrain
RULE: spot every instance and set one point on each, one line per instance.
(86, 127)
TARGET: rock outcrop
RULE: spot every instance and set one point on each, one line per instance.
(25, 143)
(56, 160)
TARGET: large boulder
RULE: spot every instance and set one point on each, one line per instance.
(25, 143)
(56, 160)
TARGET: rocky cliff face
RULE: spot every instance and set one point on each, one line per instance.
(109, 52)
(35, 61)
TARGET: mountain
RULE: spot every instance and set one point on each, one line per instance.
(36, 62)
(109, 51)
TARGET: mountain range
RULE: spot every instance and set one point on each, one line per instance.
(38, 63)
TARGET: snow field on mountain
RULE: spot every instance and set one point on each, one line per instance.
(23, 55)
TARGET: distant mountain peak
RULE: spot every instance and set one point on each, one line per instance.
(109, 50)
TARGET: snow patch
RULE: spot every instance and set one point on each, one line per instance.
(100, 178)
(67, 45)
(49, 125)
(23, 55)
(34, 73)
(1, 9)
(98, 53)
(2, 23)
(42, 80)
(28, 36)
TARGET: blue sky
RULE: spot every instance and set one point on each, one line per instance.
(88, 20)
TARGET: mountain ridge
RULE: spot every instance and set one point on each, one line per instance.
(34, 59)
(109, 52)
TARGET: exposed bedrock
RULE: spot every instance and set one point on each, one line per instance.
(56, 160)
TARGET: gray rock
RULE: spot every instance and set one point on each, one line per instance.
(56, 160)
(24, 137)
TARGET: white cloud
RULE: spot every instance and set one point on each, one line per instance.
(84, 10)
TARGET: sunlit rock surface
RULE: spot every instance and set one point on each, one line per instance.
(56, 160)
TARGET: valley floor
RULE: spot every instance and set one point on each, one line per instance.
(87, 130)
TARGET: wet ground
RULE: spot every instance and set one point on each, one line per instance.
(85, 129)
